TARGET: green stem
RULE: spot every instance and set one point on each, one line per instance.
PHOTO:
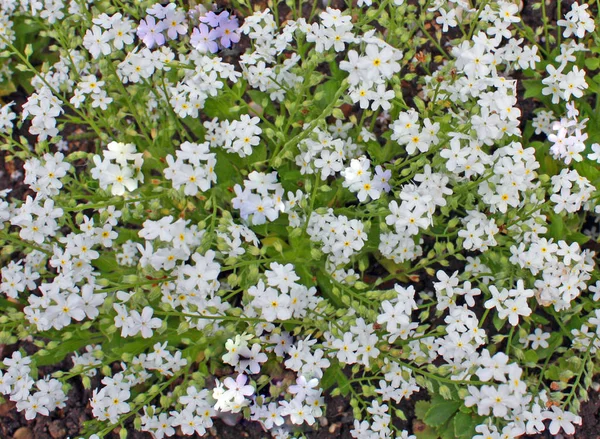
(6, 237)
(509, 342)
(434, 376)
(310, 128)
(130, 103)
(33, 70)
(229, 318)
(433, 40)
(545, 21)
(110, 203)
(138, 284)
(580, 373)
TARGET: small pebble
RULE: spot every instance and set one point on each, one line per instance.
(57, 430)
(23, 433)
(6, 408)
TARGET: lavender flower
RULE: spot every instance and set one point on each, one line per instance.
(228, 31)
(213, 19)
(175, 24)
(151, 32)
(203, 39)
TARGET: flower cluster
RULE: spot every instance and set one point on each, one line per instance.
(45, 108)
(261, 198)
(119, 168)
(358, 179)
(569, 140)
(90, 85)
(214, 30)
(107, 34)
(6, 117)
(479, 231)
(577, 21)
(408, 132)
(44, 177)
(238, 136)
(195, 418)
(161, 19)
(194, 168)
(340, 237)
(32, 397)
(571, 191)
(37, 219)
(189, 95)
(283, 298)
(262, 30)
(415, 211)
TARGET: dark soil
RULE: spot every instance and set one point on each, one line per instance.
(590, 413)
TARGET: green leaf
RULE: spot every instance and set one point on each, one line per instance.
(300, 251)
(396, 270)
(446, 431)
(292, 175)
(7, 88)
(335, 376)
(593, 86)
(220, 107)
(126, 234)
(326, 288)
(464, 425)
(439, 413)
(134, 347)
(274, 241)
(107, 264)
(336, 72)
(462, 421)
(5, 304)
(498, 322)
(375, 151)
(533, 88)
(589, 171)
(262, 99)
(557, 227)
(531, 356)
(424, 432)
(421, 408)
(552, 373)
(578, 237)
(226, 171)
(61, 351)
(592, 63)
(539, 319)
(327, 92)
(419, 104)
(527, 133)
(306, 276)
(27, 32)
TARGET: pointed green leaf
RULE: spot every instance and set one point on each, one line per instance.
(439, 413)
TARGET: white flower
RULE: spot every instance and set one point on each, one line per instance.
(595, 155)
(281, 276)
(446, 19)
(538, 339)
(561, 419)
(96, 42)
(143, 323)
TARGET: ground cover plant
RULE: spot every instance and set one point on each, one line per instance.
(235, 210)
